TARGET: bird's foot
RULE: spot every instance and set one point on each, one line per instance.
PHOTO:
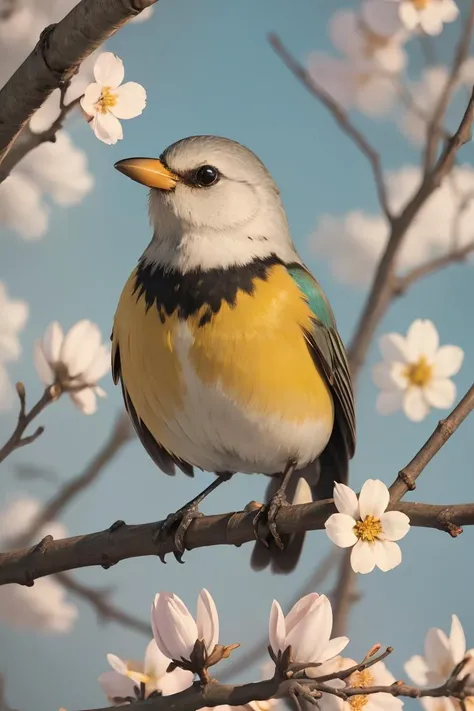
(177, 523)
(267, 514)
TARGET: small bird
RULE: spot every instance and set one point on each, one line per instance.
(225, 345)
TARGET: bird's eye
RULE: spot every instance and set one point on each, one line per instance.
(206, 176)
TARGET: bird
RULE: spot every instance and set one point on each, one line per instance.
(226, 346)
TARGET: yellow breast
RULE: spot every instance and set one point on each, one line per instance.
(254, 353)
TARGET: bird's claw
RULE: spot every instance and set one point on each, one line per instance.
(179, 522)
(267, 514)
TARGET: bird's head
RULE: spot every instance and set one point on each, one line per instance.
(212, 204)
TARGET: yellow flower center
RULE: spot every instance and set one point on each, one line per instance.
(373, 41)
(368, 530)
(420, 4)
(106, 100)
(419, 373)
(360, 680)
(135, 675)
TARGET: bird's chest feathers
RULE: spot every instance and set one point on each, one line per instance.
(185, 342)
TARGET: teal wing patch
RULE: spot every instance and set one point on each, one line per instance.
(330, 357)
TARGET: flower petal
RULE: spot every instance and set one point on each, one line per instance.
(373, 499)
(299, 610)
(175, 681)
(207, 620)
(387, 555)
(80, 347)
(155, 663)
(107, 128)
(85, 400)
(116, 685)
(393, 347)
(177, 627)
(438, 652)
(362, 557)
(423, 340)
(448, 361)
(457, 641)
(334, 647)
(99, 366)
(440, 392)
(117, 664)
(345, 500)
(389, 402)
(415, 406)
(340, 529)
(382, 375)
(109, 70)
(91, 97)
(131, 100)
(52, 341)
(42, 366)
(395, 525)
(310, 636)
(417, 669)
(276, 628)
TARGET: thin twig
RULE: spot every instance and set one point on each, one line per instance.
(340, 117)
(433, 133)
(436, 264)
(121, 434)
(17, 440)
(407, 476)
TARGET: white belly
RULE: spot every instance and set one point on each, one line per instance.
(213, 432)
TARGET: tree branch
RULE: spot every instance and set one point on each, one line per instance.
(407, 476)
(384, 284)
(340, 117)
(25, 418)
(459, 254)
(433, 133)
(60, 50)
(121, 434)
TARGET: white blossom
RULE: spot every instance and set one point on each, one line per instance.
(355, 38)
(143, 16)
(77, 360)
(432, 669)
(125, 675)
(13, 316)
(107, 100)
(307, 629)
(426, 15)
(353, 85)
(353, 243)
(415, 373)
(376, 675)
(174, 628)
(44, 606)
(365, 524)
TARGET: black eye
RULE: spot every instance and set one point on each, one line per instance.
(206, 175)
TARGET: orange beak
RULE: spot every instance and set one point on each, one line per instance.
(148, 171)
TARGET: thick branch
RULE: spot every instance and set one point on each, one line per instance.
(340, 117)
(25, 418)
(60, 50)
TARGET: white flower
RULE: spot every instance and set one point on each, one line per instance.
(442, 653)
(143, 16)
(120, 682)
(354, 37)
(415, 373)
(175, 629)
(427, 15)
(353, 85)
(366, 525)
(307, 629)
(376, 675)
(77, 360)
(107, 100)
(44, 606)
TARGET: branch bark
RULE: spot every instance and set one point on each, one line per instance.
(60, 50)
(459, 254)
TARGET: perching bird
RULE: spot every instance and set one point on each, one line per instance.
(225, 345)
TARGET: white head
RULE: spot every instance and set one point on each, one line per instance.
(212, 204)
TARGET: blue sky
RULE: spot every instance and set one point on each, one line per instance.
(208, 68)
